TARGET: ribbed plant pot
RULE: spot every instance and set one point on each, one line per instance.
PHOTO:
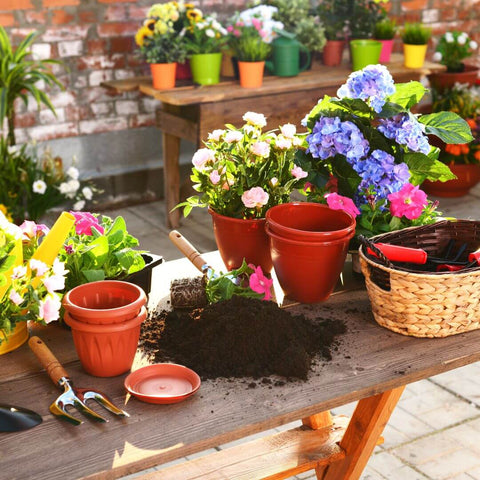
(467, 177)
(239, 239)
(445, 80)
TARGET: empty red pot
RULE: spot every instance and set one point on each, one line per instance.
(308, 271)
(106, 301)
(106, 350)
(307, 221)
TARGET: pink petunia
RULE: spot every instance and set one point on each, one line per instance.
(339, 202)
(84, 221)
(54, 283)
(409, 201)
(256, 197)
(15, 297)
(259, 283)
(29, 229)
(49, 309)
(38, 266)
(298, 173)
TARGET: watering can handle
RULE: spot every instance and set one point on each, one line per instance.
(304, 49)
(187, 249)
(47, 359)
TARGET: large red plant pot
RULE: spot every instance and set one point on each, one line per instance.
(309, 222)
(103, 302)
(308, 271)
(467, 177)
(106, 350)
(446, 80)
(239, 239)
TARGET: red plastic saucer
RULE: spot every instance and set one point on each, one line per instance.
(162, 383)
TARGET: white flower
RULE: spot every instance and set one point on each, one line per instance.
(73, 172)
(13, 149)
(216, 134)
(283, 143)
(87, 193)
(58, 267)
(202, 157)
(449, 37)
(233, 136)
(210, 33)
(19, 272)
(39, 186)
(40, 267)
(288, 130)
(73, 186)
(77, 206)
(256, 119)
(437, 57)
(273, 181)
(261, 149)
(473, 45)
(462, 39)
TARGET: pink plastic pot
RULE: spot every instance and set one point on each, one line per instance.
(385, 54)
(103, 302)
(308, 271)
(309, 222)
(106, 350)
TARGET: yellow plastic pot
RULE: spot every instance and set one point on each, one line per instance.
(414, 55)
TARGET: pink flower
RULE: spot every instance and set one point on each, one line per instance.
(18, 272)
(233, 136)
(262, 149)
(214, 177)
(409, 201)
(288, 130)
(230, 28)
(259, 283)
(84, 221)
(15, 297)
(216, 134)
(283, 143)
(255, 119)
(256, 23)
(49, 309)
(40, 267)
(58, 268)
(338, 202)
(202, 157)
(298, 173)
(31, 229)
(54, 283)
(256, 197)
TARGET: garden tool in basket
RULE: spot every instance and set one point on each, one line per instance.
(71, 397)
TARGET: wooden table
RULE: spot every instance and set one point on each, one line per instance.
(191, 111)
(372, 366)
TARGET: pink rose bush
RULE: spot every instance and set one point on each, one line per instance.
(243, 172)
(29, 288)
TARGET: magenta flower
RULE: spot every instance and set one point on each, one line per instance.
(409, 201)
(339, 202)
(255, 197)
(259, 283)
(84, 221)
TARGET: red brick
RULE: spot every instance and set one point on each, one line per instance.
(122, 45)
(409, 5)
(25, 119)
(7, 19)
(115, 1)
(65, 33)
(96, 46)
(103, 125)
(16, 5)
(75, 113)
(144, 120)
(117, 29)
(138, 12)
(49, 132)
(60, 17)
(117, 13)
(98, 62)
(87, 16)
(36, 17)
(59, 3)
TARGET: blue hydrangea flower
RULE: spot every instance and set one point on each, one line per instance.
(373, 84)
(405, 130)
(330, 136)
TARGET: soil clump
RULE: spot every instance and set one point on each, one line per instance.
(240, 337)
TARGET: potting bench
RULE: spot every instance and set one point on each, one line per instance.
(372, 366)
(191, 111)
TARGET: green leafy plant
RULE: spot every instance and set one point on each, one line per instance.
(385, 29)
(206, 35)
(18, 79)
(452, 49)
(363, 16)
(99, 248)
(416, 34)
(334, 15)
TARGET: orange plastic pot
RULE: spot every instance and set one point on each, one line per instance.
(333, 52)
(239, 239)
(163, 75)
(106, 350)
(104, 302)
(251, 74)
(308, 271)
(309, 222)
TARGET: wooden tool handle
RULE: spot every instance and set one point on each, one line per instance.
(47, 359)
(187, 249)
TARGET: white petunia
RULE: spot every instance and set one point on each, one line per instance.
(437, 57)
(449, 37)
(210, 33)
(77, 206)
(473, 45)
(462, 39)
(87, 193)
(73, 173)
(39, 186)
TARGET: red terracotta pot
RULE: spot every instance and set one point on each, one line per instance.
(333, 52)
(467, 177)
(238, 239)
(385, 54)
(444, 80)
(309, 222)
(106, 350)
(183, 71)
(104, 302)
(308, 271)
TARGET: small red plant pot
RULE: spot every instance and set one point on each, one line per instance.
(309, 222)
(103, 302)
(308, 271)
(106, 350)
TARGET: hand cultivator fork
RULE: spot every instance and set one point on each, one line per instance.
(74, 397)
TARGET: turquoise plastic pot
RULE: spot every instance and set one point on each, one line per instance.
(365, 52)
(206, 67)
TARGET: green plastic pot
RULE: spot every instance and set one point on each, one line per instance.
(206, 68)
(365, 52)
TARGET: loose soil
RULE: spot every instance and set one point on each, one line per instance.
(240, 337)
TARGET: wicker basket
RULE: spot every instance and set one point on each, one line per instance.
(424, 304)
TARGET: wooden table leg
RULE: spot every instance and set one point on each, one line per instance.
(365, 427)
(171, 178)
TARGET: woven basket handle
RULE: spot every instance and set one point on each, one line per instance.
(369, 244)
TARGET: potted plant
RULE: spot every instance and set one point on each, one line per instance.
(31, 277)
(334, 15)
(160, 44)
(239, 174)
(415, 37)
(205, 38)
(452, 49)
(367, 153)
(384, 32)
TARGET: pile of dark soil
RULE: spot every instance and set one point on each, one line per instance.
(239, 337)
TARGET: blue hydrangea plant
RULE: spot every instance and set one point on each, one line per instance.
(367, 145)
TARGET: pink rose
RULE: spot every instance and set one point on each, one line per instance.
(256, 197)
(298, 173)
(255, 119)
(259, 283)
(84, 221)
(214, 177)
(216, 134)
(338, 202)
(233, 136)
(409, 201)
(202, 157)
(262, 149)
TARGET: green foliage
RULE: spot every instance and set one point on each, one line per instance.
(19, 76)
(416, 34)
(364, 15)
(206, 36)
(447, 126)
(334, 14)
(249, 46)
(461, 99)
(163, 49)
(385, 29)
(453, 48)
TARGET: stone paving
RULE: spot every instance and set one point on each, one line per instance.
(433, 434)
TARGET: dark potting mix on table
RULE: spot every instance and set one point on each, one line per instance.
(240, 337)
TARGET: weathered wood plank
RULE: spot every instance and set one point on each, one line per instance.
(177, 125)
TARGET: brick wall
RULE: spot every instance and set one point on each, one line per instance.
(95, 40)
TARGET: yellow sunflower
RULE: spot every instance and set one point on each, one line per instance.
(4, 210)
(142, 33)
(194, 15)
